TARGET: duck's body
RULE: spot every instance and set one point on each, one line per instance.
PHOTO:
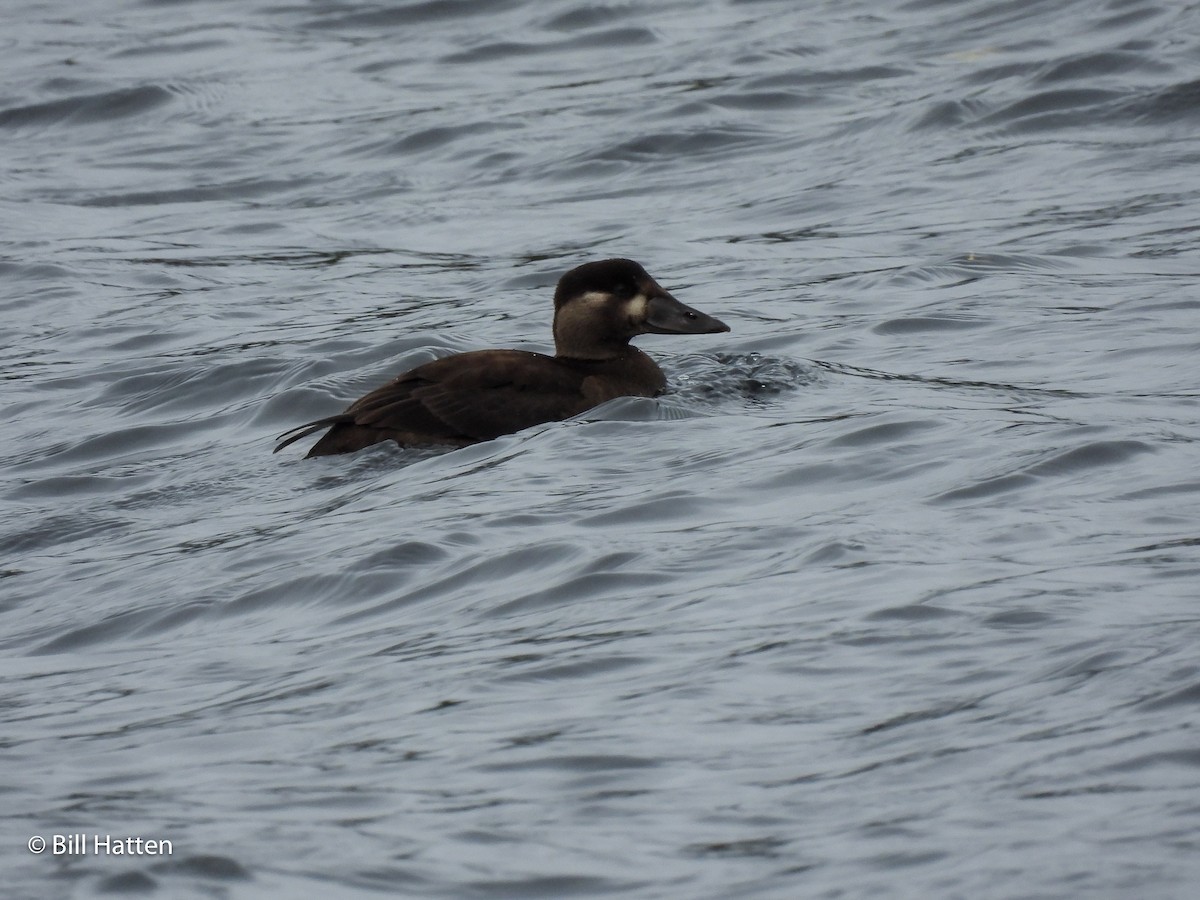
(477, 396)
(481, 395)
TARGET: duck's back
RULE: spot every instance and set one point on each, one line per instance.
(481, 395)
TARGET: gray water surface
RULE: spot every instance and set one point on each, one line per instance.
(893, 594)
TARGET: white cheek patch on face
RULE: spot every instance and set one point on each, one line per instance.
(635, 309)
(594, 298)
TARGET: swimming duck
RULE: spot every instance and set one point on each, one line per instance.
(480, 395)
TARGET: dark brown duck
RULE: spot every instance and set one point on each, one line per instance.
(477, 396)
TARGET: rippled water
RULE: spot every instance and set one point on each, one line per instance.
(893, 594)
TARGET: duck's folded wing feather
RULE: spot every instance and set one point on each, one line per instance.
(503, 394)
(460, 399)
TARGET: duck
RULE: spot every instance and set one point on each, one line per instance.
(480, 395)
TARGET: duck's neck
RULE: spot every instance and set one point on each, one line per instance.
(595, 352)
(576, 337)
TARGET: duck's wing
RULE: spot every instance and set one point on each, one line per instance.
(457, 400)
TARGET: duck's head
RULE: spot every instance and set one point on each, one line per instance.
(599, 306)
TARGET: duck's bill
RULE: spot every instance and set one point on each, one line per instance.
(666, 315)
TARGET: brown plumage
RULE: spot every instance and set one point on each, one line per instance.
(477, 396)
